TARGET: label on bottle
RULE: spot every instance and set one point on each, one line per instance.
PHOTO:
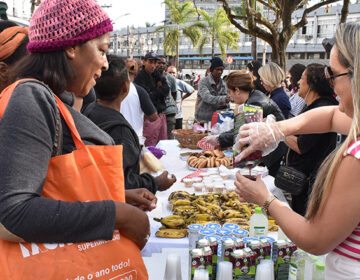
(292, 272)
(259, 231)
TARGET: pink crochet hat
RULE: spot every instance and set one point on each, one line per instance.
(57, 24)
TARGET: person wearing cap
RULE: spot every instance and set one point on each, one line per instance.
(64, 211)
(137, 105)
(13, 41)
(156, 86)
(212, 93)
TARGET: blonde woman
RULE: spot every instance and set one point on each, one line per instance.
(332, 221)
(271, 76)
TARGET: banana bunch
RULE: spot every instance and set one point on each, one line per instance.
(173, 221)
(206, 208)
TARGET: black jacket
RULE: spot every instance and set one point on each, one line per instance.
(314, 149)
(114, 123)
(149, 83)
(257, 98)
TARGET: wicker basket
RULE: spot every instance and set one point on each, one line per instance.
(188, 138)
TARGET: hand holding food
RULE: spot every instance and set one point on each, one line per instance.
(259, 136)
(133, 223)
(251, 191)
(141, 198)
(212, 140)
(165, 181)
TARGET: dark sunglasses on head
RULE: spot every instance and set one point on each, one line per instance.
(330, 77)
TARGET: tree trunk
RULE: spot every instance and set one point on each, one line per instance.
(278, 54)
(344, 11)
(212, 46)
(253, 48)
(33, 6)
(177, 51)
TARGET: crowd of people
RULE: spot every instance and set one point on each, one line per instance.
(74, 120)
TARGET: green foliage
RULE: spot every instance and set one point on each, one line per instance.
(180, 14)
(217, 29)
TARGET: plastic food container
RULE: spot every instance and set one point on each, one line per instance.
(230, 226)
(197, 180)
(224, 175)
(240, 233)
(223, 232)
(205, 232)
(219, 188)
(213, 226)
(198, 187)
(188, 182)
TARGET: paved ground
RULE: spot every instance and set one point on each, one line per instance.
(188, 107)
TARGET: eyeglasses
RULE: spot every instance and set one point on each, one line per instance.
(330, 77)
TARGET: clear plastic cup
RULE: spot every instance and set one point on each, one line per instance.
(198, 187)
(188, 182)
(224, 271)
(173, 267)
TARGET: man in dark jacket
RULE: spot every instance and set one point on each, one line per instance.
(111, 89)
(157, 88)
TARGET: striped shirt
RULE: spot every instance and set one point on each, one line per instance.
(351, 246)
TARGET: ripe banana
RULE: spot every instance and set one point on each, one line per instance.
(238, 221)
(233, 214)
(173, 221)
(171, 233)
(216, 210)
(180, 195)
(181, 202)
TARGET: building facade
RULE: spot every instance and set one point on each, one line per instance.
(305, 44)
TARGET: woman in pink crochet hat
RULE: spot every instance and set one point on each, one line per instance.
(64, 213)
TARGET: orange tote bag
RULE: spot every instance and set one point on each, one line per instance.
(89, 173)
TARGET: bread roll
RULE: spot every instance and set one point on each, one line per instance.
(151, 162)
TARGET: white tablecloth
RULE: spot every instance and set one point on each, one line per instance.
(172, 162)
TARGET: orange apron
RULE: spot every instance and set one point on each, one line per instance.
(89, 173)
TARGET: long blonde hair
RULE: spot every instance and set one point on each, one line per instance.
(347, 41)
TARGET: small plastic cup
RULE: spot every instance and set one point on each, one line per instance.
(224, 175)
(197, 180)
(219, 188)
(188, 182)
(198, 187)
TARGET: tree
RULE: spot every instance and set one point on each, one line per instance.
(278, 31)
(217, 29)
(34, 3)
(180, 14)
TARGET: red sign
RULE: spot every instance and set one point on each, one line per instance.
(229, 59)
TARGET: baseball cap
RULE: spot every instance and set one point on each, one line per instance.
(151, 55)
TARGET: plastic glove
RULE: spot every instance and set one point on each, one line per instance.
(212, 140)
(264, 137)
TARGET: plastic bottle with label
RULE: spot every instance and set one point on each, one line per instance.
(297, 265)
(319, 272)
(258, 224)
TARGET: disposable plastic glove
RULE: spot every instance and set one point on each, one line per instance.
(260, 136)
